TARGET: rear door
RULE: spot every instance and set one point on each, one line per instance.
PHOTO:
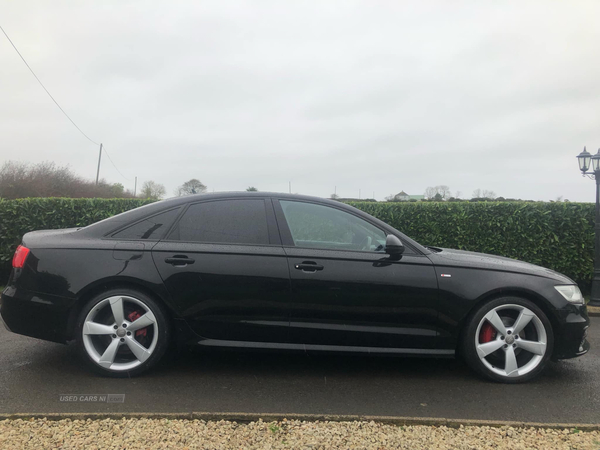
(225, 269)
(346, 291)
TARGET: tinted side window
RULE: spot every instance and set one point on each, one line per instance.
(153, 227)
(318, 226)
(224, 221)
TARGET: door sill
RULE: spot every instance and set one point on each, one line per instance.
(440, 353)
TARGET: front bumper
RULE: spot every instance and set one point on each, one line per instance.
(34, 315)
(570, 340)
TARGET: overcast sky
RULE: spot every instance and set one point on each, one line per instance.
(377, 96)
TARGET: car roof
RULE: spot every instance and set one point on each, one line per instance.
(132, 215)
(231, 194)
(112, 223)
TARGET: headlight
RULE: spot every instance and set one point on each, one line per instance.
(571, 293)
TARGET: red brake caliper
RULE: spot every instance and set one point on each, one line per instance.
(133, 317)
(487, 333)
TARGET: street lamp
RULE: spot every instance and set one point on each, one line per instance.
(587, 161)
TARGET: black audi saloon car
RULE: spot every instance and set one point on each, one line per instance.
(276, 271)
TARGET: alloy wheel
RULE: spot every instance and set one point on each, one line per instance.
(120, 333)
(511, 340)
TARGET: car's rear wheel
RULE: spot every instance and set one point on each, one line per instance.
(509, 340)
(122, 332)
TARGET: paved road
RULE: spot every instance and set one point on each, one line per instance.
(33, 375)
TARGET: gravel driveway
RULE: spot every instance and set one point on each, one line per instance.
(199, 434)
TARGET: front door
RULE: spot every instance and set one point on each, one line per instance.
(226, 271)
(346, 291)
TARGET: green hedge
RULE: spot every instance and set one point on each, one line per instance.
(18, 217)
(559, 236)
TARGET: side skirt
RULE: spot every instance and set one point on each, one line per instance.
(438, 353)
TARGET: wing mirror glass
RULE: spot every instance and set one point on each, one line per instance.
(393, 245)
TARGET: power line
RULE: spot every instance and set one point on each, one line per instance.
(111, 161)
(42, 84)
(59, 107)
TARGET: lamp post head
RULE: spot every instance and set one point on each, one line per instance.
(596, 161)
(584, 159)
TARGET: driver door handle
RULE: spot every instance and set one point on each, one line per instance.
(180, 260)
(308, 266)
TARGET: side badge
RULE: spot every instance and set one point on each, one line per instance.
(446, 275)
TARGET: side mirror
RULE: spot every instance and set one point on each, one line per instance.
(393, 245)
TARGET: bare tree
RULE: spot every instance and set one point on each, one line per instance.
(46, 179)
(193, 186)
(441, 191)
(488, 194)
(485, 193)
(430, 192)
(444, 191)
(152, 189)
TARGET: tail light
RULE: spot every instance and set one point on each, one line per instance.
(20, 256)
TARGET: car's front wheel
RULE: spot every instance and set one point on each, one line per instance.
(122, 332)
(509, 340)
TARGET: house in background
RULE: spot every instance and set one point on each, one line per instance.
(404, 197)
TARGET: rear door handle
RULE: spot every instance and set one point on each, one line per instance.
(180, 260)
(308, 266)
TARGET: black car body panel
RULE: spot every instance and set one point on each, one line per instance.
(340, 306)
(229, 292)
(274, 294)
(477, 277)
(460, 258)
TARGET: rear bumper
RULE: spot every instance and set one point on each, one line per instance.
(30, 314)
(2, 320)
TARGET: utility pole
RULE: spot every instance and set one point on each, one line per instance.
(135, 187)
(359, 194)
(99, 159)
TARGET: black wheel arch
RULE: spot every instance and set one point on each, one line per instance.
(537, 299)
(107, 284)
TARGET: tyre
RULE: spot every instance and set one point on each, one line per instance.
(508, 340)
(122, 333)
